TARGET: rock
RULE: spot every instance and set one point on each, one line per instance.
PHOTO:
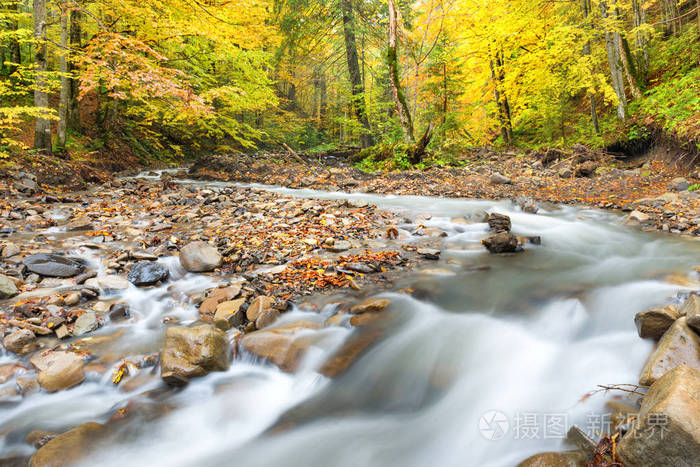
(429, 253)
(107, 283)
(258, 306)
(40, 330)
(266, 318)
(565, 172)
(527, 205)
(72, 299)
(339, 246)
(86, 323)
(218, 295)
(284, 345)
(679, 184)
(8, 288)
(59, 370)
(38, 438)
(147, 273)
(68, 448)
(49, 265)
(21, 341)
(498, 179)
(652, 324)
(679, 346)
(229, 315)
(79, 226)
(638, 216)
(502, 243)
(586, 169)
(193, 352)
(691, 310)
(119, 311)
(62, 332)
(372, 305)
(9, 250)
(556, 459)
(667, 431)
(199, 257)
(499, 223)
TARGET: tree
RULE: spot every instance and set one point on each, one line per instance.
(42, 129)
(396, 88)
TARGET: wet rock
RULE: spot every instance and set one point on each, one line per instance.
(199, 257)
(667, 430)
(79, 226)
(8, 288)
(502, 243)
(349, 352)
(339, 246)
(679, 346)
(586, 169)
(691, 310)
(68, 448)
(652, 324)
(284, 345)
(638, 216)
(229, 314)
(266, 318)
(258, 306)
(38, 438)
(81, 278)
(556, 459)
(36, 329)
(49, 265)
(527, 205)
(565, 172)
(9, 250)
(499, 223)
(59, 370)
(107, 283)
(62, 332)
(86, 323)
(193, 352)
(218, 295)
(372, 305)
(21, 341)
(498, 179)
(679, 184)
(147, 273)
(119, 311)
(429, 253)
(72, 299)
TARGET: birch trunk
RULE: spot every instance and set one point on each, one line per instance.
(615, 63)
(42, 129)
(397, 91)
(64, 98)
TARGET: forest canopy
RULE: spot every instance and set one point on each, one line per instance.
(170, 79)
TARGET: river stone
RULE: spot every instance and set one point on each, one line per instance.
(59, 370)
(556, 459)
(8, 288)
(502, 243)
(192, 352)
(10, 250)
(147, 273)
(199, 257)
(499, 223)
(372, 305)
(266, 318)
(229, 315)
(284, 345)
(68, 448)
(667, 431)
(680, 184)
(691, 310)
(218, 295)
(350, 351)
(79, 226)
(49, 265)
(339, 246)
(652, 324)
(107, 283)
(498, 179)
(679, 346)
(639, 216)
(86, 323)
(258, 306)
(21, 341)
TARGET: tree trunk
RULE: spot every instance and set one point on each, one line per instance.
(630, 70)
(393, 60)
(501, 104)
(615, 63)
(42, 130)
(75, 44)
(64, 98)
(15, 51)
(586, 52)
(357, 88)
(697, 13)
(641, 40)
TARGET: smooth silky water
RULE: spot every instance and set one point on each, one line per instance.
(527, 335)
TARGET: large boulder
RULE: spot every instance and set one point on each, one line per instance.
(21, 341)
(679, 346)
(199, 257)
(59, 370)
(691, 310)
(193, 352)
(499, 223)
(8, 288)
(652, 324)
(556, 459)
(49, 265)
(147, 273)
(68, 448)
(284, 345)
(667, 430)
(502, 243)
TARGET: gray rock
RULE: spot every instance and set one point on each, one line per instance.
(691, 310)
(49, 265)
(107, 283)
(147, 273)
(21, 341)
(86, 323)
(8, 288)
(498, 179)
(10, 250)
(339, 246)
(679, 184)
(667, 432)
(200, 257)
(679, 346)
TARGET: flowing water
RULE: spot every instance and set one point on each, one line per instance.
(522, 341)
